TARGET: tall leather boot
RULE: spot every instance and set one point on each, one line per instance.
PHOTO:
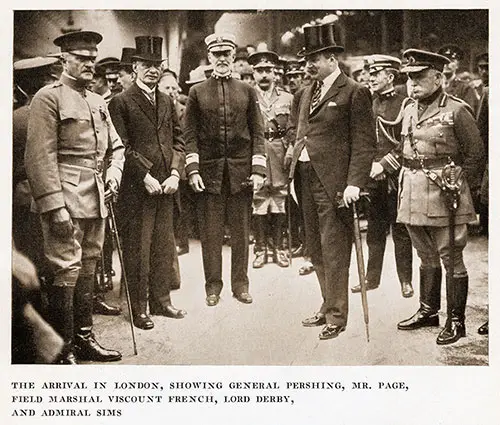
(60, 299)
(260, 247)
(430, 300)
(456, 299)
(279, 254)
(86, 346)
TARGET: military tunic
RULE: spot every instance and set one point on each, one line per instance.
(69, 132)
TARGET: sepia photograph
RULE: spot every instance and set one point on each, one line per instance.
(250, 187)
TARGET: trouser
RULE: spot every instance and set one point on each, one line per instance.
(149, 252)
(73, 261)
(183, 216)
(329, 242)
(212, 209)
(382, 213)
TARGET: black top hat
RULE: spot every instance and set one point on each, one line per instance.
(451, 51)
(318, 38)
(127, 53)
(418, 60)
(263, 59)
(148, 48)
(375, 63)
(82, 43)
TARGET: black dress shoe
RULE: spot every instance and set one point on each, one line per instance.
(170, 311)
(87, 348)
(419, 320)
(143, 321)
(317, 320)
(212, 300)
(406, 289)
(244, 297)
(69, 358)
(101, 307)
(331, 331)
(369, 287)
(483, 329)
(452, 332)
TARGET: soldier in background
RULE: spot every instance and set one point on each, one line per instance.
(440, 142)
(294, 74)
(246, 73)
(453, 85)
(383, 185)
(105, 80)
(69, 132)
(269, 202)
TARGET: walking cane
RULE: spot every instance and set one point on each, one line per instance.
(361, 268)
(114, 232)
(289, 220)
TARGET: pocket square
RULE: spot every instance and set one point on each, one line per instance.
(332, 104)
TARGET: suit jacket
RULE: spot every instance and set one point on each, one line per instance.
(339, 134)
(153, 142)
(223, 125)
(68, 125)
(445, 129)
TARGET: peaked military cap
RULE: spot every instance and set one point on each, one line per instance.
(418, 60)
(482, 59)
(375, 63)
(33, 63)
(109, 65)
(220, 42)
(452, 52)
(263, 59)
(148, 48)
(81, 43)
(294, 66)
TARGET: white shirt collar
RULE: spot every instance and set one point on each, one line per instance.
(328, 81)
(144, 87)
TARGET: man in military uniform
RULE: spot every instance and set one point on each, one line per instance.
(294, 74)
(383, 186)
(453, 85)
(269, 202)
(442, 158)
(69, 132)
(225, 160)
(146, 120)
(105, 80)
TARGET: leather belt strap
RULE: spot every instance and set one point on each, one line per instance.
(93, 163)
(270, 135)
(417, 164)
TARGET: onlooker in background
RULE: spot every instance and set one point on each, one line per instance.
(126, 74)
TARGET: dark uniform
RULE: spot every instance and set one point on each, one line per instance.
(438, 129)
(382, 208)
(224, 134)
(269, 202)
(69, 131)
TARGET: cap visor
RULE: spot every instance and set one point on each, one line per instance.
(414, 68)
(221, 48)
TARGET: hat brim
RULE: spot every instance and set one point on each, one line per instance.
(413, 68)
(147, 59)
(195, 81)
(334, 49)
(295, 73)
(221, 48)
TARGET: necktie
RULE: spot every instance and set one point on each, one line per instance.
(151, 97)
(316, 95)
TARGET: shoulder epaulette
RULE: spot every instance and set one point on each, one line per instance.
(447, 96)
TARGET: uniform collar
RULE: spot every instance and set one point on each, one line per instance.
(72, 82)
(387, 94)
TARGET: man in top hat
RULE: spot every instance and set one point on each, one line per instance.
(383, 185)
(225, 163)
(442, 159)
(453, 85)
(269, 202)
(334, 146)
(69, 132)
(147, 121)
(126, 74)
(294, 74)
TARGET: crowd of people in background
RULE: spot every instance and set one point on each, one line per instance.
(217, 164)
